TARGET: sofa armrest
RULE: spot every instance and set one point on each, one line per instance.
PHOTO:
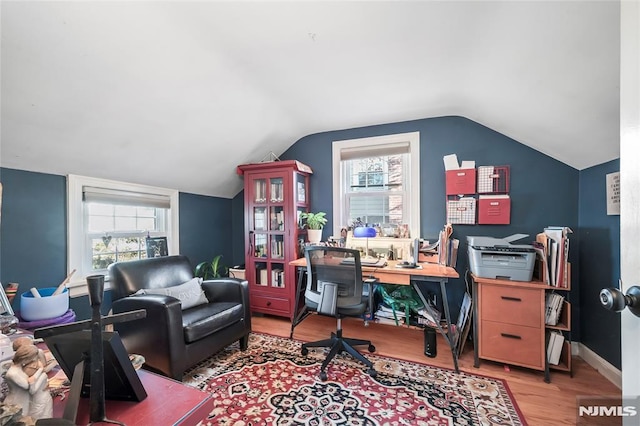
(159, 337)
(230, 290)
(226, 290)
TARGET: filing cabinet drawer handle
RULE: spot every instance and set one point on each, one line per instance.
(513, 299)
(511, 336)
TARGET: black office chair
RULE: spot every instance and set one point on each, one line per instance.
(335, 288)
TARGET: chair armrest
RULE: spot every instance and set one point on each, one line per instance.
(158, 337)
(227, 290)
(162, 325)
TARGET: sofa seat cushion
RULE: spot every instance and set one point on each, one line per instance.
(203, 320)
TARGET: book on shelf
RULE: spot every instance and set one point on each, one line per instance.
(554, 347)
(552, 256)
(430, 317)
(263, 277)
(277, 278)
(553, 308)
(559, 254)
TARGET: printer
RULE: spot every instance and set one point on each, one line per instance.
(497, 258)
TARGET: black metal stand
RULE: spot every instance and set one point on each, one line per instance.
(97, 406)
(93, 360)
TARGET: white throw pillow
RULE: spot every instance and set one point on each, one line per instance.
(189, 293)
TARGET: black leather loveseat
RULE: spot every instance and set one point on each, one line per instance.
(172, 339)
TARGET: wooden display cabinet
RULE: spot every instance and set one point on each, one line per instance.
(275, 194)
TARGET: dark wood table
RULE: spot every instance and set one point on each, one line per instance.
(169, 402)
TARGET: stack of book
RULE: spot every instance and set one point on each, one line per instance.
(554, 347)
(553, 308)
(552, 247)
(388, 315)
(430, 317)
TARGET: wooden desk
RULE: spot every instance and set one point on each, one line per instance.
(391, 274)
(169, 402)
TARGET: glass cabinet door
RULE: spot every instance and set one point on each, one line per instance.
(277, 275)
(277, 246)
(260, 218)
(276, 190)
(260, 190)
(301, 189)
(260, 245)
(276, 218)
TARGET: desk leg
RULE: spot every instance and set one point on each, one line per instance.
(474, 301)
(448, 336)
(298, 316)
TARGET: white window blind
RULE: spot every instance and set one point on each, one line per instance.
(113, 196)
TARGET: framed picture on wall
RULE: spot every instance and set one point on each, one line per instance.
(157, 247)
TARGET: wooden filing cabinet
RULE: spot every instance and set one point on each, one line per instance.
(510, 325)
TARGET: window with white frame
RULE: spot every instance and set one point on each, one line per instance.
(110, 221)
(377, 181)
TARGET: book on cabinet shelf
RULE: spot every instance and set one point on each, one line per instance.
(554, 347)
(552, 254)
(553, 307)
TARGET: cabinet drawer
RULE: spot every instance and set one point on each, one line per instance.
(271, 303)
(513, 305)
(512, 344)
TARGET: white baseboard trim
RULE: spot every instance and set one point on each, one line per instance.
(596, 361)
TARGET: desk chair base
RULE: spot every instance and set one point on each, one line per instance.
(339, 344)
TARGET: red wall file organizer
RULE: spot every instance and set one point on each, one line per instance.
(493, 179)
(461, 211)
(460, 181)
(494, 210)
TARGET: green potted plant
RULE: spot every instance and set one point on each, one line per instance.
(213, 269)
(314, 223)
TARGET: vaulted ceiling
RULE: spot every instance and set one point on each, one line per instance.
(176, 94)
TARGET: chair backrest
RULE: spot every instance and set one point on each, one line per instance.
(336, 265)
(153, 273)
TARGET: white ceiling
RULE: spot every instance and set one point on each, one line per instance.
(176, 94)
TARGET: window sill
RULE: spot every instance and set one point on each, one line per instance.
(78, 288)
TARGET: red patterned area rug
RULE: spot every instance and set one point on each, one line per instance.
(273, 384)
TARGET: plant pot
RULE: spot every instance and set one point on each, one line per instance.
(314, 235)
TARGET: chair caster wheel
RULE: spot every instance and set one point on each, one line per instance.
(323, 376)
(372, 372)
(372, 348)
(304, 351)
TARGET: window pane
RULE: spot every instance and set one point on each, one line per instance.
(100, 224)
(100, 209)
(375, 174)
(125, 210)
(369, 193)
(118, 219)
(146, 223)
(125, 223)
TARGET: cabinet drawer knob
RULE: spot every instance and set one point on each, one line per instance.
(511, 336)
(512, 299)
(269, 303)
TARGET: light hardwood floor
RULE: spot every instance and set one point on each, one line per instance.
(541, 403)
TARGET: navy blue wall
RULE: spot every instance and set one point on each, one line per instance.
(600, 265)
(543, 191)
(204, 228)
(33, 232)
